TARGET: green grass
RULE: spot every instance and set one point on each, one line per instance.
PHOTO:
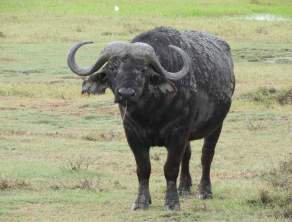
(55, 21)
(167, 8)
(64, 28)
(42, 177)
(65, 157)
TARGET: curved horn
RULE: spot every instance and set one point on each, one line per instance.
(149, 53)
(110, 50)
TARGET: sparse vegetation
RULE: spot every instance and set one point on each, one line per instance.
(78, 163)
(89, 184)
(7, 183)
(278, 195)
(270, 96)
(281, 177)
(65, 158)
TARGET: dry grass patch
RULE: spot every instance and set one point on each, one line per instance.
(277, 197)
(78, 163)
(10, 59)
(269, 96)
(7, 183)
(79, 107)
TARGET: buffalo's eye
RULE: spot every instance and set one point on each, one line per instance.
(143, 70)
(112, 68)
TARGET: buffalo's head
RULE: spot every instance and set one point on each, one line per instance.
(131, 69)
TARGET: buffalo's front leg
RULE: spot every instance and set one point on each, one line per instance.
(176, 148)
(143, 172)
(141, 154)
(206, 160)
(143, 198)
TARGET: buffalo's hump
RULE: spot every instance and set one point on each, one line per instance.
(211, 68)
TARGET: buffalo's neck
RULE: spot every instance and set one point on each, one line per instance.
(158, 117)
(152, 114)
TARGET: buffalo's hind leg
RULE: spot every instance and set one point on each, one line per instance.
(143, 170)
(185, 182)
(206, 160)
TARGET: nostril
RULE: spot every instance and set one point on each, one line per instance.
(126, 92)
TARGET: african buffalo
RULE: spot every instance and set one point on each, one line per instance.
(172, 87)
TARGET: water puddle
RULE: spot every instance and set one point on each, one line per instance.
(260, 17)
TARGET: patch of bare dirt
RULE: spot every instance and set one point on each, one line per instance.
(35, 104)
(58, 106)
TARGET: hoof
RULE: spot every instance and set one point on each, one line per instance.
(204, 196)
(205, 190)
(184, 192)
(143, 198)
(174, 207)
(138, 206)
(184, 188)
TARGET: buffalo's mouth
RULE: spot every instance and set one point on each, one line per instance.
(129, 104)
(126, 96)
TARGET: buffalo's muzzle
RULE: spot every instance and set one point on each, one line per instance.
(126, 94)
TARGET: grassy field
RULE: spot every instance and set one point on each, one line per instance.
(65, 158)
(167, 8)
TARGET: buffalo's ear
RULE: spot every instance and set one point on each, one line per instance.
(163, 85)
(95, 84)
